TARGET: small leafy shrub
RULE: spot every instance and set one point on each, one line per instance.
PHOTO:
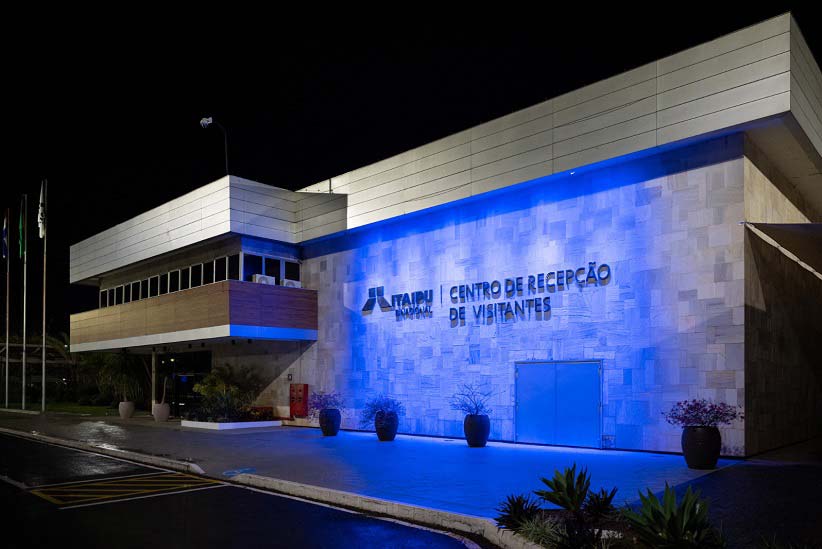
(226, 392)
(516, 510)
(258, 413)
(380, 403)
(668, 524)
(544, 531)
(321, 401)
(568, 489)
(599, 505)
(701, 413)
(471, 399)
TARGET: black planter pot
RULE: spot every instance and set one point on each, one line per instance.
(477, 428)
(330, 421)
(386, 424)
(701, 446)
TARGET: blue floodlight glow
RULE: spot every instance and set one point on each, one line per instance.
(414, 305)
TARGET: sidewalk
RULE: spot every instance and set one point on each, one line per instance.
(438, 473)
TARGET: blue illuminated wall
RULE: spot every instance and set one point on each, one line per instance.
(668, 325)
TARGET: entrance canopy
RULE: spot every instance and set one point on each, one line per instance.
(803, 240)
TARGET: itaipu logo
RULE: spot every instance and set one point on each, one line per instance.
(406, 306)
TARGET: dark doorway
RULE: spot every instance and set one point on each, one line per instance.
(183, 371)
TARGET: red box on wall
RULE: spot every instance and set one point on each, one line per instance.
(298, 399)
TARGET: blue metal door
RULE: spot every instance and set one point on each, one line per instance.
(559, 403)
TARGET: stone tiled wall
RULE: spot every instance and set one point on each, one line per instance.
(783, 342)
(668, 326)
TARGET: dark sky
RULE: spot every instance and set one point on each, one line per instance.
(109, 111)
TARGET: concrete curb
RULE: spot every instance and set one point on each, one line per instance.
(412, 513)
(18, 411)
(157, 461)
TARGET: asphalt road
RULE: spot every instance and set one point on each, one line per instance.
(60, 497)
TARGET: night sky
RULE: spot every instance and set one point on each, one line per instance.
(109, 113)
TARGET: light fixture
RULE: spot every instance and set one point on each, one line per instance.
(207, 121)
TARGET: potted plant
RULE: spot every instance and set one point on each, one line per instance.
(326, 407)
(471, 400)
(384, 412)
(701, 440)
(123, 375)
(161, 410)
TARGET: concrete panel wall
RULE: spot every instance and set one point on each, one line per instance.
(783, 345)
(668, 326)
(806, 88)
(738, 78)
(272, 360)
(194, 217)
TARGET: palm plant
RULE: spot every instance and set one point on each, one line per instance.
(668, 524)
(516, 510)
(124, 375)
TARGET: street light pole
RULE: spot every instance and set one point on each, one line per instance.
(205, 123)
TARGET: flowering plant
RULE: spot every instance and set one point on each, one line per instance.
(321, 401)
(701, 413)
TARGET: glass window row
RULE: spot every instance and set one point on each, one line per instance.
(223, 268)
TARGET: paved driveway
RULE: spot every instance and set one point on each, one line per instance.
(58, 497)
(439, 473)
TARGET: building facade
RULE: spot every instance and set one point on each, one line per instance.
(589, 261)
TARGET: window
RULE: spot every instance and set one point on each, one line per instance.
(252, 265)
(208, 272)
(163, 283)
(118, 295)
(292, 270)
(153, 286)
(110, 297)
(196, 275)
(220, 269)
(135, 291)
(272, 269)
(143, 289)
(103, 298)
(234, 267)
(185, 277)
(127, 293)
(174, 281)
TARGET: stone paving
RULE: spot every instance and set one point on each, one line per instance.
(775, 495)
(432, 472)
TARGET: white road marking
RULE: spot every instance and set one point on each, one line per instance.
(110, 502)
(13, 482)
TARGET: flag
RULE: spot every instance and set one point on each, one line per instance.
(41, 210)
(6, 236)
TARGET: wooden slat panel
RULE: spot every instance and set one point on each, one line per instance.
(229, 302)
(263, 305)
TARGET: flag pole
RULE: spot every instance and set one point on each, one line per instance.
(24, 217)
(41, 218)
(8, 277)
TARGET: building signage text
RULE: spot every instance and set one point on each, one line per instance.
(494, 301)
